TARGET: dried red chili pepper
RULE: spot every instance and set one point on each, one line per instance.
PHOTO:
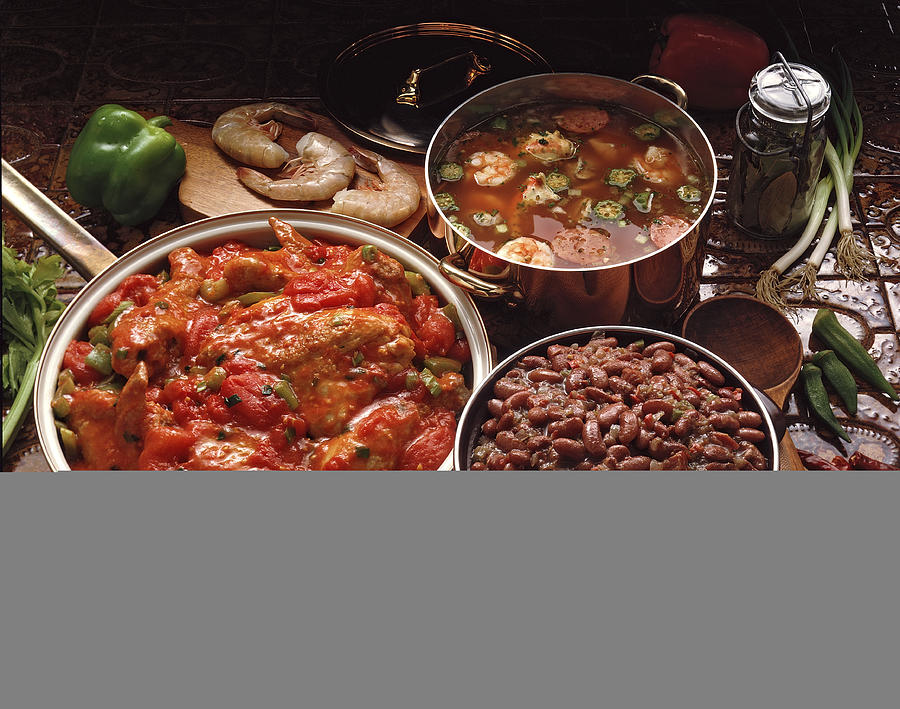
(860, 461)
(713, 58)
(811, 461)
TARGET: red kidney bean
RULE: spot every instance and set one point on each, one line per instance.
(628, 427)
(721, 405)
(655, 347)
(545, 375)
(661, 362)
(537, 416)
(609, 414)
(592, 437)
(635, 462)
(534, 362)
(751, 454)
(567, 428)
(660, 429)
(693, 398)
(620, 386)
(721, 466)
(515, 373)
(754, 435)
(750, 419)
(495, 406)
(613, 366)
(537, 442)
(670, 447)
(724, 422)
(569, 448)
(685, 361)
(685, 423)
(677, 461)
(722, 439)
(643, 439)
(655, 406)
(618, 452)
(507, 441)
(713, 451)
(553, 350)
(710, 373)
(633, 375)
(505, 388)
(478, 465)
(599, 377)
(606, 342)
(489, 427)
(516, 401)
(577, 379)
(555, 412)
(496, 460)
(505, 422)
(596, 394)
(520, 458)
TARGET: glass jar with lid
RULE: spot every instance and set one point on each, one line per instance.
(778, 151)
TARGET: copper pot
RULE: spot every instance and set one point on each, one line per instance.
(657, 288)
(93, 261)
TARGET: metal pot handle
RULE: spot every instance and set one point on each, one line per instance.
(76, 245)
(453, 268)
(667, 86)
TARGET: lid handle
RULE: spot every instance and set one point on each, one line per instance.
(447, 78)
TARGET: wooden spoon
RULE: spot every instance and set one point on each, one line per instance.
(758, 341)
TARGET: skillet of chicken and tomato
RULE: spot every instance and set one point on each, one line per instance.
(308, 355)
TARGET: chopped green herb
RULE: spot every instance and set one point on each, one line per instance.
(290, 434)
(286, 392)
(362, 452)
(357, 358)
(266, 390)
(220, 435)
(232, 400)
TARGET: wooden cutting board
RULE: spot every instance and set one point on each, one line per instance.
(210, 187)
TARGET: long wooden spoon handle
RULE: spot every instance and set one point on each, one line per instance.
(787, 453)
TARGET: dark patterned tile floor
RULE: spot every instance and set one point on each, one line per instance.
(195, 58)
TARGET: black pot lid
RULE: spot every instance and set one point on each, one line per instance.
(394, 87)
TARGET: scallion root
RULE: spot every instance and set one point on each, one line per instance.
(853, 260)
(768, 289)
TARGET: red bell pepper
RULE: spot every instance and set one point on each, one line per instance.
(713, 58)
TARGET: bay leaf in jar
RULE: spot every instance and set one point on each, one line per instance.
(776, 203)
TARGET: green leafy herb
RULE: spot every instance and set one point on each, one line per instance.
(30, 309)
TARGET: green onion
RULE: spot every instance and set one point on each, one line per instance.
(286, 392)
(232, 400)
(254, 297)
(290, 434)
(369, 253)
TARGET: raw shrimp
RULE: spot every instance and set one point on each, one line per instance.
(524, 249)
(583, 119)
(493, 167)
(323, 167)
(241, 134)
(550, 147)
(388, 201)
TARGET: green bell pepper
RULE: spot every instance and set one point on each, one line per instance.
(124, 163)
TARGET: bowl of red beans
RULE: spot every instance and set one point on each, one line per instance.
(615, 398)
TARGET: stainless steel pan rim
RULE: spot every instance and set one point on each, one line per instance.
(252, 227)
(472, 414)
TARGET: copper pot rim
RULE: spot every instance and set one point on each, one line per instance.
(450, 234)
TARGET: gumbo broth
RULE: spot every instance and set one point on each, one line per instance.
(570, 185)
